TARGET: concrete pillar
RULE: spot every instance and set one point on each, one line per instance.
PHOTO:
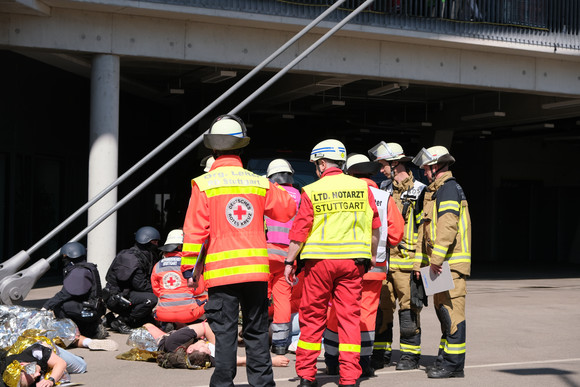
(103, 158)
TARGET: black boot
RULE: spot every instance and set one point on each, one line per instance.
(442, 373)
(407, 363)
(120, 326)
(308, 383)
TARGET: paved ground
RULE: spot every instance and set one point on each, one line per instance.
(520, 332)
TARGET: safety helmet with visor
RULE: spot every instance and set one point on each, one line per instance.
(388, 151)
(227, 132)
(434, 155)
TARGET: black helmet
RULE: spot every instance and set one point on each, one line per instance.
(73, 250)
(147, 234)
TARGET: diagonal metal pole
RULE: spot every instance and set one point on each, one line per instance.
(12, 265)
(17, 286)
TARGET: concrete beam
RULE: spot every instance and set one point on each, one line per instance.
(364, 56)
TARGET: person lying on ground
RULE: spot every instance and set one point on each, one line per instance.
(199, 341)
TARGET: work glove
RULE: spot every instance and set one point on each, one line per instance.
(418, 296)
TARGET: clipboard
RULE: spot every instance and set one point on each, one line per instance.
(199, 264)
(437, 283)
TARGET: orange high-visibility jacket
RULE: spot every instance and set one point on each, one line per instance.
(177, 302)
(228, 205)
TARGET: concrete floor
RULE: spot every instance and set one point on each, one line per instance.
(520, 332)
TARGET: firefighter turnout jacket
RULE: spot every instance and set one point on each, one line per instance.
(446, 225)
(228, 205)
(408, 195)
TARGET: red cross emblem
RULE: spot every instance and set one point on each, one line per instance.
(171, 280)
(239, 212)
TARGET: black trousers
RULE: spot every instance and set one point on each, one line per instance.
(222, 311)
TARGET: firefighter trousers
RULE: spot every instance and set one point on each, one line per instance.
(338, 280)
(397, 287)
(450, 309)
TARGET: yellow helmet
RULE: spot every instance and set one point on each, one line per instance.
(329, 149)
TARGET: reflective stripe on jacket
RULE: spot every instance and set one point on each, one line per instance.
(342, 224)
(277, 232)
(176, 299)
(408, 195)
(446, 225)
(228, 205)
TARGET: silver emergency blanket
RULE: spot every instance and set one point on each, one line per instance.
(15, 319)
(140, 338)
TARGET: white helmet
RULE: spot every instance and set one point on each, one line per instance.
(435, 155)
(227, 132)
(207, 162)
(174, 239)
(390, 151)
(329, 149)
(360, 164)
(277, 166)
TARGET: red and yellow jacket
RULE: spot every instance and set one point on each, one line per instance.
(228, 205)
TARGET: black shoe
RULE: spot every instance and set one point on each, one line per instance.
(101, 332)
(279, 350)
(108, 319)
(442, 373)
(368, 372)
(407, 363)
(308, 383)
(331, 370)
(120, 327)
(436, 364)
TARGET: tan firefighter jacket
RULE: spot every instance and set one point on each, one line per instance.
(445, 230)
(408, 195)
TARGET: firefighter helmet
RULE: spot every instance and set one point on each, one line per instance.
(388, 151)
(227, 132)
(435, 155)
(146, 234)
(360, 164)
(73, 250)
(329, 149)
